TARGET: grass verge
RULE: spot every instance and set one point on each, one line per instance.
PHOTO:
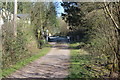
(85, 65)
(6, 72)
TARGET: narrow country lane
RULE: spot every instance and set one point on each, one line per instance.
(59, 39)
(53, 65)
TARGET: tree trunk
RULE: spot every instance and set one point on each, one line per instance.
(15, 18)
(117, 51)
(118, 55)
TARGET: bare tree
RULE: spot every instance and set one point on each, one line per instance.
(117, 27)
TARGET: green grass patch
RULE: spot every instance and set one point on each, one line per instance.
(83, 64)
(6, 72)
(78, 62)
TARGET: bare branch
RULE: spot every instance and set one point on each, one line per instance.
(113, 20)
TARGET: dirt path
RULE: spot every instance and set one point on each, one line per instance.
(53, 65)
